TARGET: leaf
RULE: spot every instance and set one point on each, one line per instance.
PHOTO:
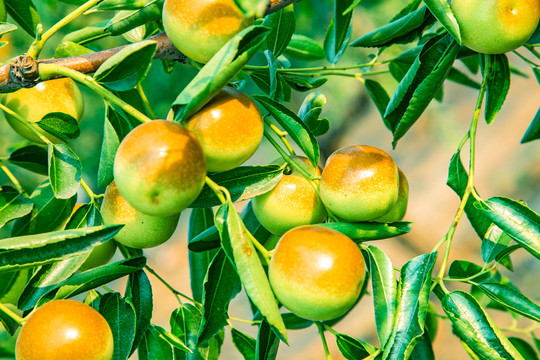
(13, 205)
(128, 67)
(139, 294)
(32, 157)
(154, 346)
(65, 171)
(515, 219)
(412, 306)
(498, 84)
(524, 348)
(401, 30)
(24, 13)
(294, 127)
(352, 348)
(218, 71)
(384, 285)
(533, 131)
(199, 221)
(309, 112)
(63, 126)
(253, 8)
(121, 318)
(108, 5)
(379, 96)
(494, 242)
(423, 349)
(207, 240)
(420, 84)
(365, 231)
(511, 299)
(304, 48)
(281, 24)
(461, 269)
(243, 182)
(294, 322)
(220, 287)
(442, 11)
(267, 343)
(459, 77)
(6, 28)
(245, 344)
(172, 339)
(34, 250)
(474, 327)
(339, 31)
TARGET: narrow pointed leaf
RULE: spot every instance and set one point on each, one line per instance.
(267, 343)
(498, 84)
(511, 299)
(139, 293)
(282, 25)
(533, 131)
(441, 10)
(199, 221)
(352, 348)
(370, 230)
(245, 344)
(13, 204)
(339, 32)
(154, 346)
(24, 13)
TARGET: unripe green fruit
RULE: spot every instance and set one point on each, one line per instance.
(65, 329)
(496, 26)
(100, 255)
(140, 230)
(199, 28)
(293, 202)
(59, 95)
(317, 273)
(160, 168)
(397, 213)
(359, 183)
(230, 129)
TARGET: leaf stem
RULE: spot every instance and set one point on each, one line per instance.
(221, 192)
(282, 135)
(38, 44)
(146, 103)
(12, 178)
(320, 68)
(88, 191)
(168, 286)
(320, 327)
(19, 320)
(46, 71)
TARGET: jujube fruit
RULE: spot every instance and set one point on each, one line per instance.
(199, 28)
(317, 273)
(398, 211)
(359, 183)
(160, 168)
(65, 329)
(292, 202)
(229, 127)
(32, 104)
(140, 230)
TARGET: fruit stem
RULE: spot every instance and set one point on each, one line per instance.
(168, 286)
(320, 327)
(282, 135)
(470, 181)
(88, 191)
(46, 71)
(38, 44)
(12, 177)
(221, 192)
(19, 320)
(146, 104)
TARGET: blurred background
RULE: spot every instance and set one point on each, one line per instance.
(504, 167)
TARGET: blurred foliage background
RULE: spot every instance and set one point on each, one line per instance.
(504, 167)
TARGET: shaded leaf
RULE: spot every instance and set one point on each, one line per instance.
(512, 299)
(31, 157)
(65, 171)
(13, 205)
(498, 84)
(121, 318)
(304, 48)
(533, 131)
(244, 343)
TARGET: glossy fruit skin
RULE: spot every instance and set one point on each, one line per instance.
(140, 230)
(293, 202)
(65, 329)
(317, 273)
(160, 168)
(32, 104)
(230, 129)
(199, 28)
(496, 26)
(398, 211)
(100, 255)
(359, 183)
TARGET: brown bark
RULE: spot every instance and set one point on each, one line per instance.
(13, 76)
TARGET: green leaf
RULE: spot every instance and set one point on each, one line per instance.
(199, 221)
(412, 306)
(244, 343)
(267, 343)
(533, 131)
(524, 348)
(294, 322)
(441, 10)
(460, 269)
(128, 67)
(253, 8)
(401, 30)
(379, 96)
(281, 24)
(108, 5)
(383, 280)
(154, 346)
(423, 349)
(207, 240)
(304, 48)
(32, 157)
(126, 20)
(494, 243)
(420, 84)
(6, 28)
(512, 299)
(498, 84)
(63, 126)
(309, 112)
(172, 339)
(121, 318)
(220, 287)
(459, 77)
(218, 71)
(352, 348)
(474, 327)
(70, 48)
(294, 126)
(24, 13)
(366, 231)
(515, 219)
(339, 31)
(34, 250)
(65, 171)
(13, 205)
(139, 294)
(302, 84)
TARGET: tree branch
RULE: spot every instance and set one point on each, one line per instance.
(22, 70)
